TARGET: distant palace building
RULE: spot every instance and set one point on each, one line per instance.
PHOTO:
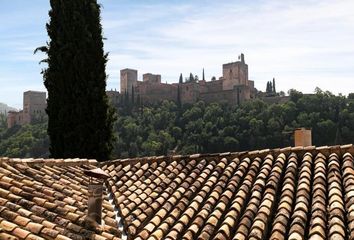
(233, 87)
(34, 104)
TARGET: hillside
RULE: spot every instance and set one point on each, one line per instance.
(205, 128)
(5, 108)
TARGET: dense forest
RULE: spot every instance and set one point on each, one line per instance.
(191, 128)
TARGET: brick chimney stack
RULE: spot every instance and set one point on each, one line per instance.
(303, 137)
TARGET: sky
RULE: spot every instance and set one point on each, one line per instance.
(303, 44)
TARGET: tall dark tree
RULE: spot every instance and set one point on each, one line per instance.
(180, 78)
(80, 119)
(179, 100)
(267, 89)
(191, 77)
(274, 91)
(133, 95)
(203, 75)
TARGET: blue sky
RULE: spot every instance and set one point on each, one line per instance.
(303, 44)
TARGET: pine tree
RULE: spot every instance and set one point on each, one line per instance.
(80, 119)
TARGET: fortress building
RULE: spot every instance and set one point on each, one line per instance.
(233, 87)
(34, 104)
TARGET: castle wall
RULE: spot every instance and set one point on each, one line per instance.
(210, 86)
(253, 90)
(189, 92)
(228, 96)
(233, 86)
(243, 93)
(113, 97)
(12, 119)
(151, 92)
(153, 78)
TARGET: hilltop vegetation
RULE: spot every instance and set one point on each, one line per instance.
(30, 141)
(157, 130)
(220, 127)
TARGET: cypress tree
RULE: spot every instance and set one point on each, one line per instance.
(267, 89)
(133, 95)
(191, 77)
(80, 119)
(274, 86)
(180, 78)
(179, 100)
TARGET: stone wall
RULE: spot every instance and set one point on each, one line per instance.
(189, 92)
(153, 78)
(113, 97)
(152, 92)
(228, 96)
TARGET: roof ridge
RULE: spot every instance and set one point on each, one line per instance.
(326, 150)
(49, 162)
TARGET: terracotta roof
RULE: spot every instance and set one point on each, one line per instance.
(47, 199)
(290, 193)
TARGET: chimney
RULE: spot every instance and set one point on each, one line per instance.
(303, 137)
(95, 191)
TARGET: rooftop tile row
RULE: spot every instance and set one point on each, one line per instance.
(294, 193)
(48, 200)
(289, 193)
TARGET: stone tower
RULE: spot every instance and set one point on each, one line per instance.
(128, 79)
(235, 74)
(34, 104)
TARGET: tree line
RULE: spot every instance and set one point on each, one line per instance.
(200, 128)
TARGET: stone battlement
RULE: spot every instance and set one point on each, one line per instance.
(233, 86)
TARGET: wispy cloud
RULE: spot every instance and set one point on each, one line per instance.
(303, 44)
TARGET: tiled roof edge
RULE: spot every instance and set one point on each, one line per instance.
(326, 150)
(49, 162)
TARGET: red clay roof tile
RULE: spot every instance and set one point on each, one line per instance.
(291, 193)
(41, 202)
